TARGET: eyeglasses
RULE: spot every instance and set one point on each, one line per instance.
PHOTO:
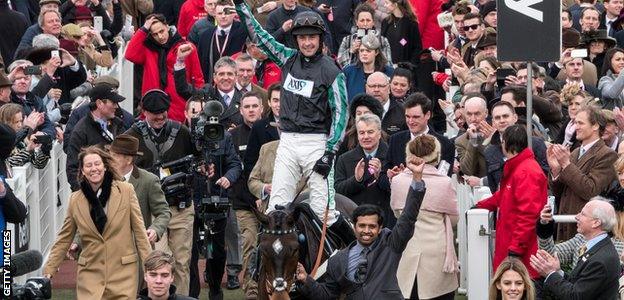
(376, 86)
(473, 27)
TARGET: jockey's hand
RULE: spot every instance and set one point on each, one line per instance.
(324, 164)
(301, 273)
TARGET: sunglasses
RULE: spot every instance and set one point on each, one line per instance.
(473, 27)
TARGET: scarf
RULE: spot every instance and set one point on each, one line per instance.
(162, 51)
(445, 204)
(96, 203)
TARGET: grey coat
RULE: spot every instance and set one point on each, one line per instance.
(383, 261)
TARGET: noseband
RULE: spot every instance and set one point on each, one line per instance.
(277, 248)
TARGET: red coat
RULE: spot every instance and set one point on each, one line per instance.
(139, 54)
(191, 11)
(427, 14)
(521, 197)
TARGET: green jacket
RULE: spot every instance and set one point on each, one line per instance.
(151, 200)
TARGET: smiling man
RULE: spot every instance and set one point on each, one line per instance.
(367, 268)
(313, 115)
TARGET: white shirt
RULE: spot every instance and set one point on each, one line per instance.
(584, 149)
(127, 175)
(240, 87)
(386, 107)
(230, 94)
(226, 29)
(412, 136)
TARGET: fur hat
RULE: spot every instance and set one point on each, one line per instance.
(366, 100)
(39, 55)
(426, 147)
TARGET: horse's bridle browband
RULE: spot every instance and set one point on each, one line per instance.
(279, 232)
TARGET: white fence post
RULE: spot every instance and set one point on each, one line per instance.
(465, 200)
(479, 264)
(126, 80)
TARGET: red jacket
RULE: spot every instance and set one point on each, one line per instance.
(519, 200)
(138, 53)
(427, 14)
(191, 11)
(272, 73)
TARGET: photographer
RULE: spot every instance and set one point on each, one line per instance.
(224, 169)
(163, 140)
(28, 149)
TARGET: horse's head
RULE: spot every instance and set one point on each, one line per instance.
(279, 249)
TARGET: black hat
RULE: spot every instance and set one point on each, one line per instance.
(487, 8)
(156, 101)
(597, 35)
(366, 100)
(105, 92)
(308, 22)
(39, 55)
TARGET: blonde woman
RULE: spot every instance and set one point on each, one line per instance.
(511, 282)
(428, 268)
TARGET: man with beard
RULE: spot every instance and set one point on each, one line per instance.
(155, 47)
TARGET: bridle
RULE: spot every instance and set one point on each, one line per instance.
(278, 285)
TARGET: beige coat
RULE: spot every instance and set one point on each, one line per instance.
(425, 252)
(108, 265)
(262, 173)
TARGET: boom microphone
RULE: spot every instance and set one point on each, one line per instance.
(25, 262)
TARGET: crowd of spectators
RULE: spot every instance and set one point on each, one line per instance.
(421, 79)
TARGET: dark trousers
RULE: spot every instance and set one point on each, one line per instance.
(215, 266)
(414, 295)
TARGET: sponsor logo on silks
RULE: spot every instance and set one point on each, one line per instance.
(298, 86)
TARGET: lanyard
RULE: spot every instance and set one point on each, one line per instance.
(216, 39)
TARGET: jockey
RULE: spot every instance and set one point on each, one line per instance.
(313, 115)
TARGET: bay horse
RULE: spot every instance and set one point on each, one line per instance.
(290, 236)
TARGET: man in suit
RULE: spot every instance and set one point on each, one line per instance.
(264, 130)
(358, 170)
(227, 38)
(596, 274)
(378, 86)
(503, 116)
(471, 144)
(245, 72)
(224, 89)
(611, 13)
(578, 176)
(367, 268)
(243, 202)
(154, 207)
(573, 68)
(417, 114)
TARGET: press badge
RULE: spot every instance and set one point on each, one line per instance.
(298, 86)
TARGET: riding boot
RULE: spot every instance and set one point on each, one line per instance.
(343, 230)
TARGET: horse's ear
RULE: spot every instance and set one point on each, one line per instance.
(293, 216)
(262, 217)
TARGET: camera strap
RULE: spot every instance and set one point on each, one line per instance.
(158, 150)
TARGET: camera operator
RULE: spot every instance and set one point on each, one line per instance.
(224, 168)
(163, 140)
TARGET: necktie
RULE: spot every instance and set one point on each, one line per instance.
(369, 157)
(222, 33)
(610, 28)
(226, 99)
(582, 250)
(362, 267)
(581, 152)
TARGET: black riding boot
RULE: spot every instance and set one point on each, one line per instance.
(343, 230)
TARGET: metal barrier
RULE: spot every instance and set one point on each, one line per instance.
(45, 193)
